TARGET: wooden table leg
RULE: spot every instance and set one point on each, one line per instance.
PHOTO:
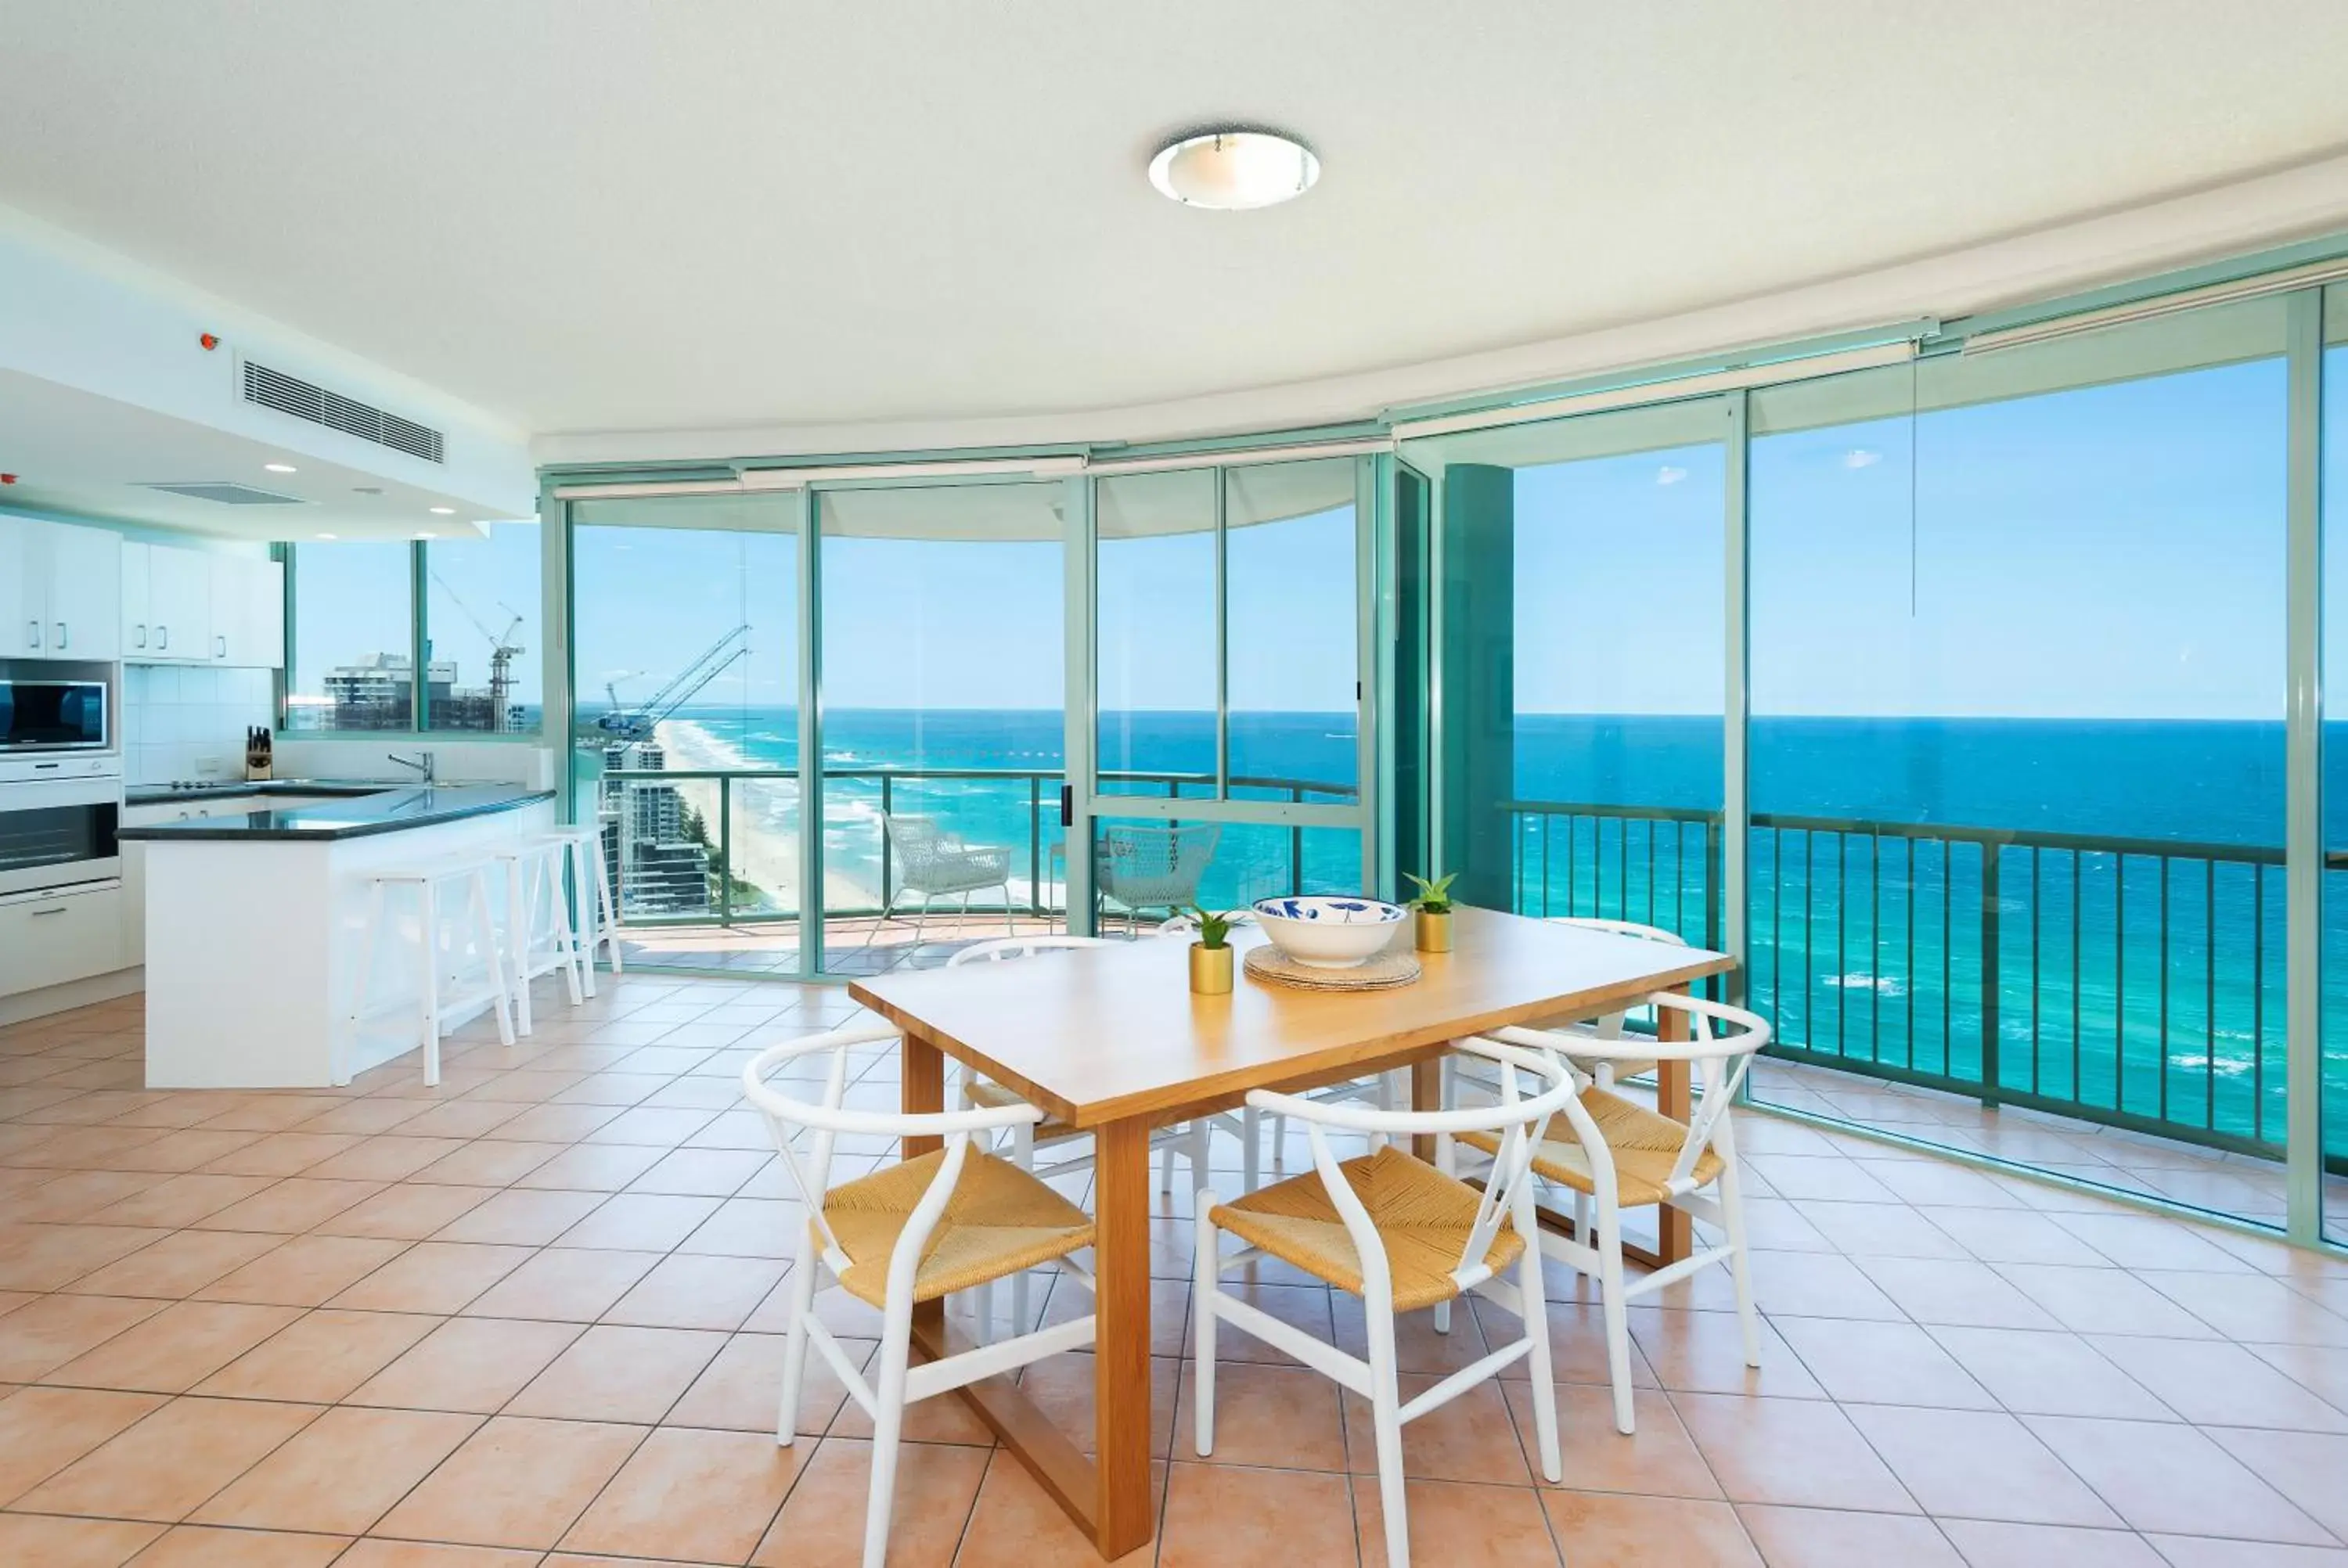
(1674, 1238)
(922, 1090)
(1425, 1094)
(1121, 1516)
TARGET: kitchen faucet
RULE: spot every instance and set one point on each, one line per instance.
(423, 767)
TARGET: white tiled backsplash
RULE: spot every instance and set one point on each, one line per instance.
(190, 723)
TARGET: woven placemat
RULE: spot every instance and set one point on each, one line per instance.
(1384, 971)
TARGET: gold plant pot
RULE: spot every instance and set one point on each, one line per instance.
(1210, 970)
(1433, 932)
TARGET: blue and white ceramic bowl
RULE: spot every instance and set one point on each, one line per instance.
(1328, 931)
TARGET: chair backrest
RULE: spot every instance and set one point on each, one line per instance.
(1148, 866)
(1612, 1026)
(1003, 948)
(788, 1115)
(1534, 1085)
(1721, 1060)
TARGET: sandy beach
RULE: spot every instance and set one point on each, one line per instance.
(764, 855)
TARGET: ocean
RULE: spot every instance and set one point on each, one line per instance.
(2145, 980)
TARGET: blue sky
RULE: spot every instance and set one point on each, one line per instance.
(2112, 551)
(2107, 552)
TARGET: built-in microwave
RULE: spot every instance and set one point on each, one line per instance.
(49, 715)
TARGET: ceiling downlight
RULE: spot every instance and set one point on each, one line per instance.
(1234, 171)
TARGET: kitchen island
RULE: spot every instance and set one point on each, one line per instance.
(255, 923)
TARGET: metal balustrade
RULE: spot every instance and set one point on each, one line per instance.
(669, 886)
(2134, 983)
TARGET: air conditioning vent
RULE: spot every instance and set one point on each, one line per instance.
(228, 493)
(307, 400)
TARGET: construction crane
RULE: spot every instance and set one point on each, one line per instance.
(503, 649)
(637, 724)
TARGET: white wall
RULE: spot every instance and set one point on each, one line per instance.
(188, 723)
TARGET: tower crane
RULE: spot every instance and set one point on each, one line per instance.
(502, 651)
(638, 723)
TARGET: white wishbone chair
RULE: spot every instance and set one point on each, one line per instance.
(955, 1219)
(1614, 1153)
(1188, 1139)
(1402, 1234)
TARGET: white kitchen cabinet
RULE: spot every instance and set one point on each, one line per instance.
(179, 604)
(202, 607)
(85, 593)
(48, 938)
(60, 588)
(248, 612)
(137, 634)
(21, 605)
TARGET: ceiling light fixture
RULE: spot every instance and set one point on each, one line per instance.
(279, 467)
(1234, 171)
(425, 534)
(326, 535)
(442, 511)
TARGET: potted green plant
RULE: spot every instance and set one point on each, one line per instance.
(1210, 955)
(1431, 912)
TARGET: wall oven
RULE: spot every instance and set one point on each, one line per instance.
(42, 714)
(55, 833)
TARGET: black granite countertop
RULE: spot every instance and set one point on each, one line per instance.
(163, 794)
(380, 809)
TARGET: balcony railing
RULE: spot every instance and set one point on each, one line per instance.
(672, 865)
(2134, 983)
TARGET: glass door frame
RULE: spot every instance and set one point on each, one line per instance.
(1083, 803)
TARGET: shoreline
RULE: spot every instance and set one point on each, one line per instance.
(762, 856)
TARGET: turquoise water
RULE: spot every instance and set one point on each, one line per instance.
(2143, 983)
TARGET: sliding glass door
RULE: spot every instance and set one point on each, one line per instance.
(942, 614)
(684, 732)
(1229, 614)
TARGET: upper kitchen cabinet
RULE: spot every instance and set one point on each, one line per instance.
(248, 603)
(202, 607)
(59, 590)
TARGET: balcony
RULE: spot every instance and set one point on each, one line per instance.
(2106, 1008)
(705, 861)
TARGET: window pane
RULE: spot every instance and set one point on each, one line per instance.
(2335, 1098)
(353, 660)
(943, 744)
(1146, 868)
(481, 613)
(1292, 630)
(1154, 587)
(2017, 745)
(686, 661)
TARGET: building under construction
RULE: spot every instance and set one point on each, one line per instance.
(379, 693)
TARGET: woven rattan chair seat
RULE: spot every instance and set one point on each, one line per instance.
(999, 1221)
(1643, 1144)
(1423, 1217)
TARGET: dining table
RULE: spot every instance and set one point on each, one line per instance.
(1111, 1041)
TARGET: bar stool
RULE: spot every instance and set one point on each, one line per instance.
(534, 871)
(590, 880)
(439, 888)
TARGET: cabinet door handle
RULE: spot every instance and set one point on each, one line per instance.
(138, 636)
(33, 633)
(61, 634)
(162, 637)
(52, 909)
(221, 651)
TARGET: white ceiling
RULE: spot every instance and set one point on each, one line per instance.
(629, 215)
(83, 454)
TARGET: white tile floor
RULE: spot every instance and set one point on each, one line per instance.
(530, 1319)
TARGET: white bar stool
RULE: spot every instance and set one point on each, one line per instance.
(534, 872)
(591, 881)
(439, 888)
